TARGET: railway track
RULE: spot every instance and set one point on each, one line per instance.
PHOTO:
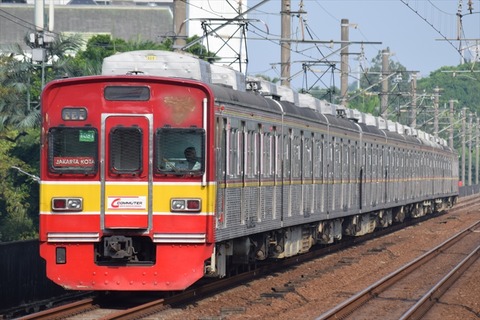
(81, 306)
(97, 309)
(436, 270)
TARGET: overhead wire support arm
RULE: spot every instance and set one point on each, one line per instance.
(330, 41)
(431, 25)
(306, 67)
(228, 21)
(241, 26)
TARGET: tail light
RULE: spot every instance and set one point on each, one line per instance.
(186, 205)
(67, 204)
(61, 255)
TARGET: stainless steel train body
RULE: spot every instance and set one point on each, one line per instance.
(281, 172)
(289, 177)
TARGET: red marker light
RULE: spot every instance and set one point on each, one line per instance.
(193, 204)
(59, 203)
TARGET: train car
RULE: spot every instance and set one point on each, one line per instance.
(166, 169)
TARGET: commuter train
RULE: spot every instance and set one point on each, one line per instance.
(268, 173)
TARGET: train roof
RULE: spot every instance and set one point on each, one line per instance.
(183, 65)
(172, 64)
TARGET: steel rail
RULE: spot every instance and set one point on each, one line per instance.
(350, 305)
(64, 310)
(210, 288)
(419, 309)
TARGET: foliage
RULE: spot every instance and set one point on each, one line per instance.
(367, 99)
(16, 107)
(267, 78)
(21, 83)
(366, 102)
(199, 50)
(460, 83)
(89, 61)
(331, 94)
(16, 219)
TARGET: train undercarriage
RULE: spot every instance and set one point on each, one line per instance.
(287, 242)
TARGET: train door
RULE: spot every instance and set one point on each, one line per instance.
(126, 171)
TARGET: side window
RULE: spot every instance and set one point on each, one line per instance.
(287, 140)
(296, 157)
(73, 150)
(251, 145)
(368, 161)
(353, 161)
(179, 151)
(233, 153)
(317, 157)
(381, 163)
(345, 161)
(277, 161)
(126, 150)
(307, 157)
(337, 153)
(267, 155)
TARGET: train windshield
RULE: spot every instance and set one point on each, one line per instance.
(73, 150)
(180, 151)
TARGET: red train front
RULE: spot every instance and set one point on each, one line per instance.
(127, 197)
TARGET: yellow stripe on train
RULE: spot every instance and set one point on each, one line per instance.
(161, 195)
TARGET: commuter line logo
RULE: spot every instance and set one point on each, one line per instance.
(127, 203)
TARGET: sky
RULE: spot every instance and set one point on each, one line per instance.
(413, 30)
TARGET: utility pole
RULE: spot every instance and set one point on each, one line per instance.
(413, 110)
(450, 144)
(285, 44)
(41, 38)
(464, 112)
(470, 137)
(384, 93)
(435, 112)
(477, 149)
(460, 31)
(179, 23)
(344, 62)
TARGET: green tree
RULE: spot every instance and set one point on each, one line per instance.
(460, 83)
(89, 61)
(16, 107)
(199, 50)
(366, 100)
(16, 219)
(21, 82)
(267, 78)
(330, 94)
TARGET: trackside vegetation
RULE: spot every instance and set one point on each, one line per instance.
(21, 82)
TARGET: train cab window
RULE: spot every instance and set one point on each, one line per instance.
(180, 151)
(73, 150)
(126, 150)
(127, 93)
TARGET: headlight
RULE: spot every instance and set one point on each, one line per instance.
(186, 205)
(74, 114)
(67, 204)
